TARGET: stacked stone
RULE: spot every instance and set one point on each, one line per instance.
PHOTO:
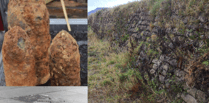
(64, 60)
(167, 40)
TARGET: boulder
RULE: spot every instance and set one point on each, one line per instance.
(18, 59)
(33, 17)
(64, 60)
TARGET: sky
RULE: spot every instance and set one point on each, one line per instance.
(93, 4)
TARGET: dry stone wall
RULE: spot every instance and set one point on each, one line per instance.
(172, 49)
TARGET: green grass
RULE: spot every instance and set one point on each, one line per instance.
(155, 6)
(205, 63)
(104, 72)
(125, 37)
(111, 77)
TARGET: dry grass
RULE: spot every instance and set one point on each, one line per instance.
(111, 79)
(128, 8)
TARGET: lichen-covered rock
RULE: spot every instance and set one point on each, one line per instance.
(188, 98)
(33, 17)
(18, 59)
(64, 60)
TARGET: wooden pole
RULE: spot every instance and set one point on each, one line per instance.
(65, 13)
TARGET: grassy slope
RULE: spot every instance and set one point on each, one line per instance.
(111, 78)
(108, 80)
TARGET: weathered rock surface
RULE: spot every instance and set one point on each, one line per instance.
(64, 60)
(18, 59)
(81, 38)
(188, 98)
(33, 17)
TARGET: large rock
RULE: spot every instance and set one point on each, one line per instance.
(18, 59)
(64, 60)
(188, 98)
(33, 17)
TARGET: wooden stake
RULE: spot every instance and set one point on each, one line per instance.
(65, 13)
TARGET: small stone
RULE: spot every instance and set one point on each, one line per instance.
(171, 45)
(152, 71)
(192, 91)
(178, 80)
(165, 67)
(186, 87)
(178, 95)
(188, 98)
(155, 24)
(162, 57)
(173, 62)
(206, 26)
(161, 78)
(179, 73)
(159, 50)
(164, 72)
(201, 96)
(155, 66)
(156, 61)
(201, 19)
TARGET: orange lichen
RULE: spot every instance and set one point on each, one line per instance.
(18, 59)
(64, 60)
(33, 17)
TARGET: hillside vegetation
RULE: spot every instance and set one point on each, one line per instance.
(166, 45)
